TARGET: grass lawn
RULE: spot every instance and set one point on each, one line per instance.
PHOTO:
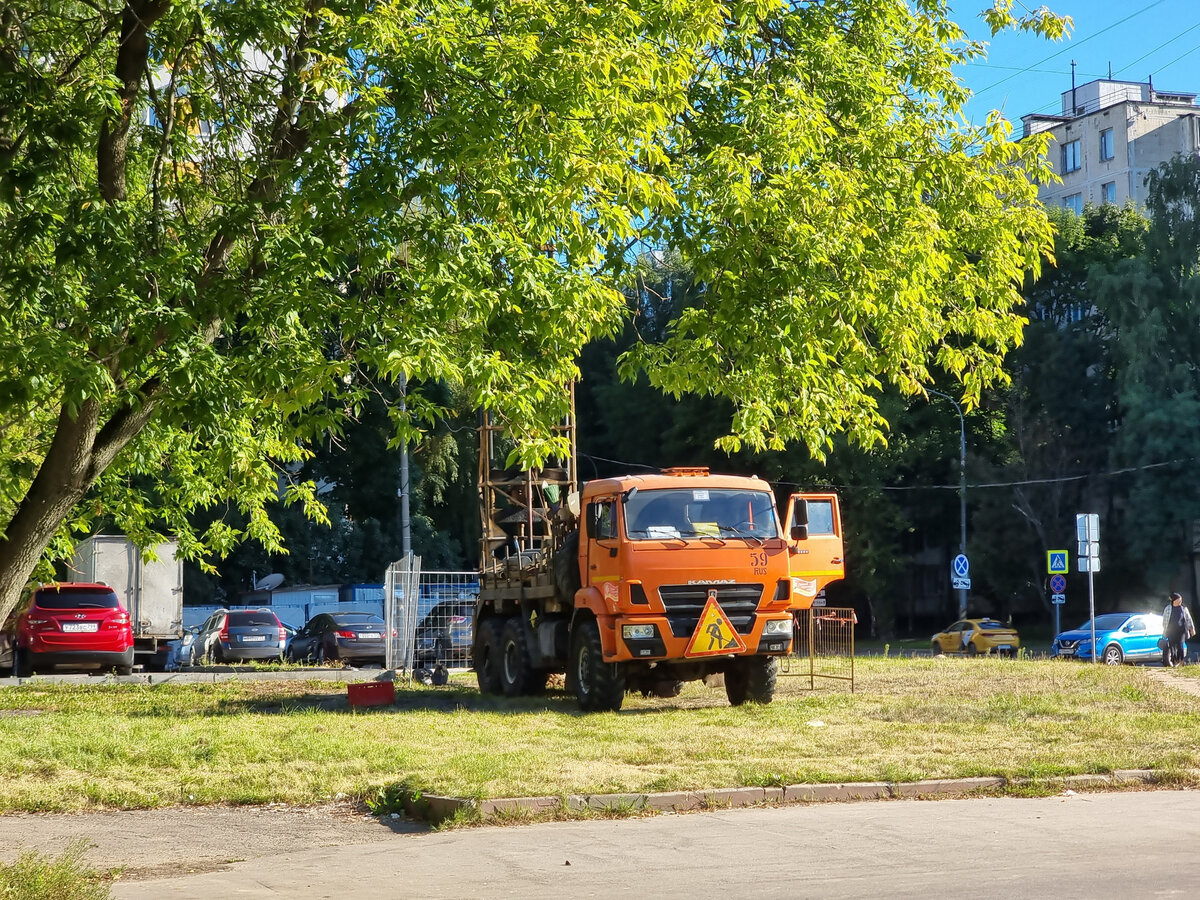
(70, 747)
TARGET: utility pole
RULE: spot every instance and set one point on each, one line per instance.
(962, 493)
(405, 526)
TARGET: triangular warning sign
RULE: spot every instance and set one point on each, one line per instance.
(714, 634)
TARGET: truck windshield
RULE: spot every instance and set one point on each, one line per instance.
(697, 513)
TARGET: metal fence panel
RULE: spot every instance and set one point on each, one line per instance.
(445, 610)
(822, 646)
(401, 593)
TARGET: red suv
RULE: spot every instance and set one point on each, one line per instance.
(78, 625)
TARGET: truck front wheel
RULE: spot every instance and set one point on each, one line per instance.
(488, 655)
(598, 685)
(518, 677)
(751, 678)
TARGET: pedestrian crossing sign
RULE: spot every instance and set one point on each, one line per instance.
(1057, 562)
(714, 634)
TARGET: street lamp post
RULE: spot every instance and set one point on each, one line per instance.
(962, 492)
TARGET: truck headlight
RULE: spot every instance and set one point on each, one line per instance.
(777, 626)
(637, 632)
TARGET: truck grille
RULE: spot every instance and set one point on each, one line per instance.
(685, 602)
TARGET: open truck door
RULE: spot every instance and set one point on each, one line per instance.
(815, 548)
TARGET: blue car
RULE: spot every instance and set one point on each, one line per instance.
(1121, 637)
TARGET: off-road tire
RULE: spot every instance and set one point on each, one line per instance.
(566, 568)
(518, 677)
(488, 654)
(599, 686)
(751, 678)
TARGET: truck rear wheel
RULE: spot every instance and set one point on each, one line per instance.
(518, 677)
(751, 678)
(488, 655)
(598, 685)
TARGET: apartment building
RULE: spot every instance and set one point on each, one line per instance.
(1108, 137)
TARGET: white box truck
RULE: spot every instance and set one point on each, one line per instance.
(151, 591)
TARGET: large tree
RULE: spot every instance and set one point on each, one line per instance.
(221, 222)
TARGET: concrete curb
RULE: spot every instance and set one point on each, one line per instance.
(436, 808)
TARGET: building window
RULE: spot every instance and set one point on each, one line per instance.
(1074, 203)
(1109, 190)
(1070, 157)
(1106, 144)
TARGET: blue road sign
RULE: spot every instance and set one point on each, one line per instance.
(961, 566)
(1058, 599)
(1056, 562)
(1058, 584)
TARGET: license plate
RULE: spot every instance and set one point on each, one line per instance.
(1066, 652)
(247, 638)
(369, 634)
(1004, 646)
(81, 626)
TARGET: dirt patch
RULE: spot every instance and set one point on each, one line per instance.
(157, 843)
(1182, 683)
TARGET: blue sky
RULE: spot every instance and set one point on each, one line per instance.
(1139, 39)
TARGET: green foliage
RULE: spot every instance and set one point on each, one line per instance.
(1151, 308)
(36, 876)
(223, 226)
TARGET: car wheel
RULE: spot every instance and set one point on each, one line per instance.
(24, 664)
(751, 678)
(124, 670)
(1113, 655)
(319, 657)
(972, 650)
(935, 648)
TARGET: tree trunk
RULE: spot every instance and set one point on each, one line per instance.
(64, 477)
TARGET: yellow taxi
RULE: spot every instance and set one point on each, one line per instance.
(976, 636)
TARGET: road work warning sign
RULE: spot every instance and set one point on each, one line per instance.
(714, 634)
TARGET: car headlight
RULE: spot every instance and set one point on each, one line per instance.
(637, 632)
(777, 626)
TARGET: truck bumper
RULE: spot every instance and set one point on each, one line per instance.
(663, 644)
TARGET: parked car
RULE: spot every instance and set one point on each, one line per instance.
(444, 635)
(239, 634)
(83, 626)
(984, 636)
(350, 636)
(1121, 637)
(180, 652)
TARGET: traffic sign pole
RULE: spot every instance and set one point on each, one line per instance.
(1057, 565)
(1087, 532)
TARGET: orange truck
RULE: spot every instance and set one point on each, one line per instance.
(642, 582)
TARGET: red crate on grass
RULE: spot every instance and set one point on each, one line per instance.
(371, 693)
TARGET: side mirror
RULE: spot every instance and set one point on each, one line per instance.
(799, 532)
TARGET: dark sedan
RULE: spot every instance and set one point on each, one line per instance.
(444, 635)
(350, 636)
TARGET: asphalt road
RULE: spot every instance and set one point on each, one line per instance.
(1133, 844)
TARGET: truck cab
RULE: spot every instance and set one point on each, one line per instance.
(655, 549)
